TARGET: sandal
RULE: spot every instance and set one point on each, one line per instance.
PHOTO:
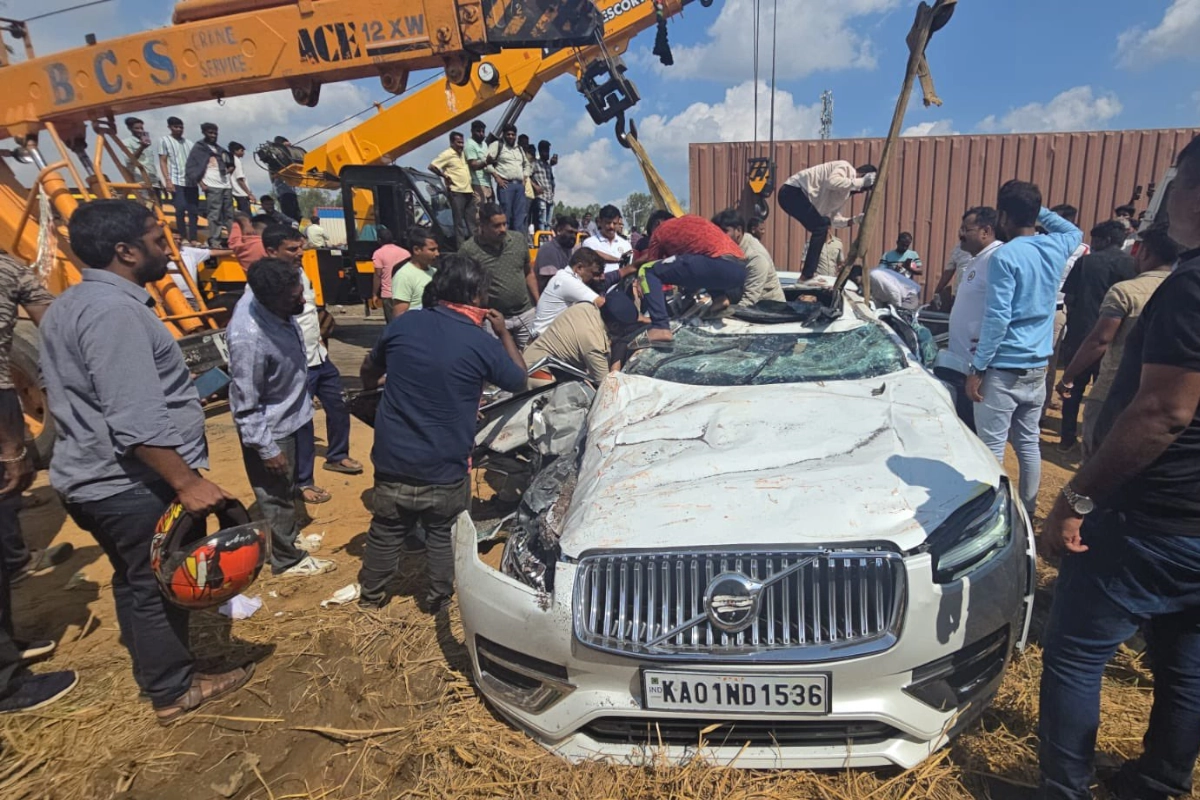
(315, 495)
(205, 688)
(347, 466)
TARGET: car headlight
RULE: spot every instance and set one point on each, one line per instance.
(973, 535)
(527, 560)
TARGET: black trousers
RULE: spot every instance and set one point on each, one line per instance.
(13, 549)
(10, 656)
(795, 204)
(963, 405)
(1070, 406)
(154, 631)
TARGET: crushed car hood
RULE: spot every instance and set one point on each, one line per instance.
(669, 465)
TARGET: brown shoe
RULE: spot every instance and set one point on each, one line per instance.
(204, 688)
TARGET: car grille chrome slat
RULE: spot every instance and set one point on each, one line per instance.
(813, 604)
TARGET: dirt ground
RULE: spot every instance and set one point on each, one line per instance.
(353, 704)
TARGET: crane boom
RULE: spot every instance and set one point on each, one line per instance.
(224, 48)
(440, 107)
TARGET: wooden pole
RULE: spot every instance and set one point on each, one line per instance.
(928, 20)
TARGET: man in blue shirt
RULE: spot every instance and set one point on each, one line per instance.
(903, 259)
(1008, 373)
(436, 360)
(269, 398)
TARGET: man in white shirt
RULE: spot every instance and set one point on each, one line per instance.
(242, 196)
(815, 196)
(977, 237)
(607, 242)
(315, 233)
(1069, 213)
(569, 286)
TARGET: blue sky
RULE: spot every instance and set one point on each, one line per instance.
(1000, 66)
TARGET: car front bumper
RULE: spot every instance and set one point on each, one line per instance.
(894, 707)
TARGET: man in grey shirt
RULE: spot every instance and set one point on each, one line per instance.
(130, 438)
(762, 281)
(270, 403)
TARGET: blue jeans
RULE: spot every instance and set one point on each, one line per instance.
(512, 199)
(542, 215)
(1127, 579)
(1012, 409)
(154, 631)
(324, 383)
(719, 276)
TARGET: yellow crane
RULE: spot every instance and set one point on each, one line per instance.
(214, 49)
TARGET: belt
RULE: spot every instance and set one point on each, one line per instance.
(1020, 373)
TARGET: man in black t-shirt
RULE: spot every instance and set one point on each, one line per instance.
(1128, 531)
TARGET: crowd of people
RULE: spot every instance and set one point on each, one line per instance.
(131, 433)
(509, 171)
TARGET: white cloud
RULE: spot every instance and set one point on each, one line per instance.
(599, 173)
(1174, 37)
(942, 127)
(815, 35)
(1076, 109)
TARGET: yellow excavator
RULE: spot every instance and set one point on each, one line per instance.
(59, 113)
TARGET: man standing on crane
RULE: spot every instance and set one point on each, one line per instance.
(510, 167)
(173, 152)
(451, 166)
(815, 196)
(476, 151)
(208, 166)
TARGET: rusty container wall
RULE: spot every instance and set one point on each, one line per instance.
(935, 179)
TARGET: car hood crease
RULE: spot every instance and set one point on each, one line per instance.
(832, 463)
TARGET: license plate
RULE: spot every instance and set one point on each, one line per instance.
(671, 690)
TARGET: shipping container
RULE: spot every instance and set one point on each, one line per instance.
(935, 179)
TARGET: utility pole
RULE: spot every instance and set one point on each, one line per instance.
(827, 114)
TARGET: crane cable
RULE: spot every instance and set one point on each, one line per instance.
(774, 30)
(757, 20)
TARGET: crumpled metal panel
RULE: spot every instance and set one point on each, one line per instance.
(669, 465)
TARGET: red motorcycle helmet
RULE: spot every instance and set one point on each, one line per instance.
(195, 570)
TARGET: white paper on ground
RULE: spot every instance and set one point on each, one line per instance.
(346, 594)
(241, 607)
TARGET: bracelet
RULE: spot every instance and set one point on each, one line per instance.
(14, 459)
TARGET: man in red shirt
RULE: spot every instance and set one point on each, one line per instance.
(245, 238)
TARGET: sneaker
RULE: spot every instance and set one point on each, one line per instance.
(31, 651)
(37, 691)
(309, 543)
(309, 567)
(42, 561)
(205, 688)
(1067, 445)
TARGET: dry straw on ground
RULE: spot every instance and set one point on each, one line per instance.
(366, 706)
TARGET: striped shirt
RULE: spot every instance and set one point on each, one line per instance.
(176, 151)
(543, 176)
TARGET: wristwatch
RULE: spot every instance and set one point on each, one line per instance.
(1080, 504)
(974, 371)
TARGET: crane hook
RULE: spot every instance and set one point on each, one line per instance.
(622, 135)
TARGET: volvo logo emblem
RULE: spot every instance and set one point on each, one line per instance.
(731, 602)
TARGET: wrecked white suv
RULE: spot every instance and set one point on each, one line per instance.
(772, 545)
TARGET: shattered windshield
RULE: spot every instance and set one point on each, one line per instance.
(701, 358)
